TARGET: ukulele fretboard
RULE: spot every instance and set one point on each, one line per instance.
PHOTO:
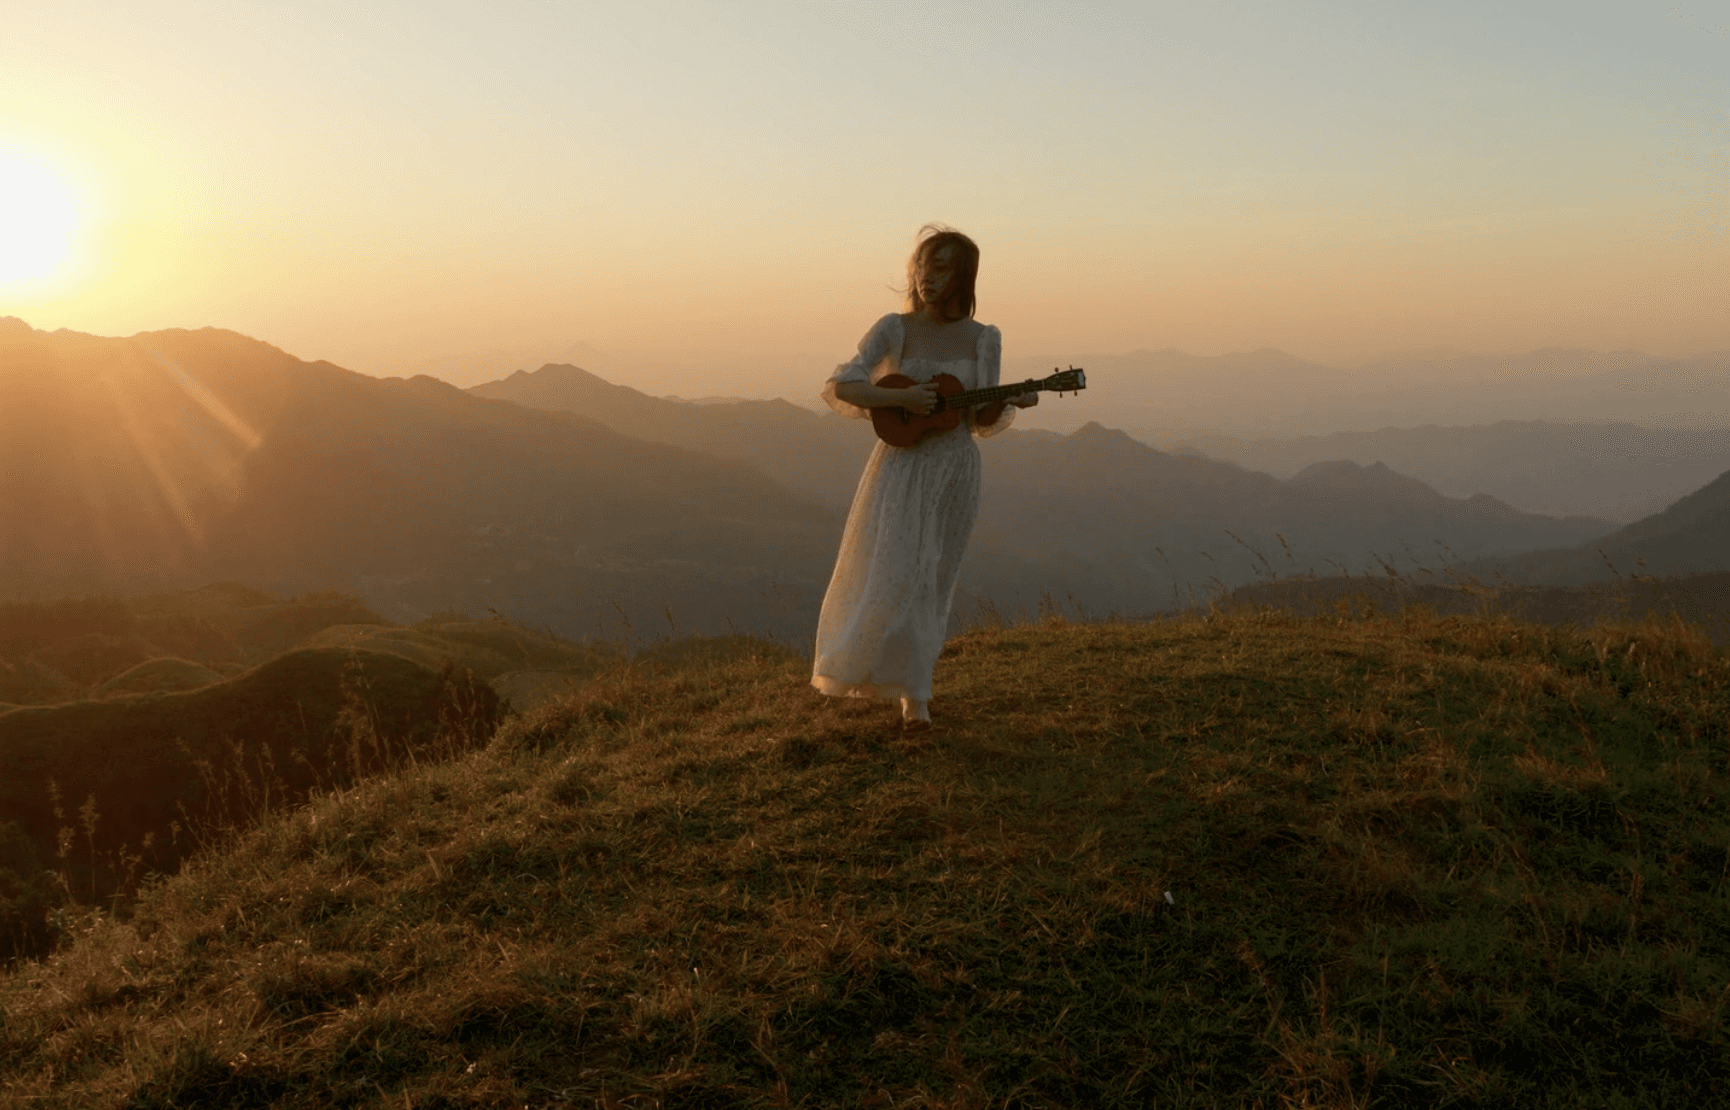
(990, 394)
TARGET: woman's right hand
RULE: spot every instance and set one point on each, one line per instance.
(920, 399)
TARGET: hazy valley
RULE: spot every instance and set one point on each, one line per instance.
(1620, 471)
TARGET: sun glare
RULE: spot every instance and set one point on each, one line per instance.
(39, 222)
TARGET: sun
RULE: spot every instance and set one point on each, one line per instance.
(40, 216)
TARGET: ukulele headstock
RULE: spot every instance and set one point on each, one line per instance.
(1071, 380)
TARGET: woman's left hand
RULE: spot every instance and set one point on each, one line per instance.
(1026, 400)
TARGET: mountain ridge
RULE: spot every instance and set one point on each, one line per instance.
(179, 457)
(1615, 469)
(1691, 536)
(1025, 549)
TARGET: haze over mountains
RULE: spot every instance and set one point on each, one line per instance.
(1618, 435)
(1691, 536)
(1169, 397)
(177, 458)
(1621, 471)
(817, 454)
(173, 459)
(1094, 515)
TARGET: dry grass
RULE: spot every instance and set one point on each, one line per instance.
(1246, 861)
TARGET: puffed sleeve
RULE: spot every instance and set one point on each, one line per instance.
(989, 356)
(879, 354)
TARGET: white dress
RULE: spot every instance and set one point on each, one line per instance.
(886, 612)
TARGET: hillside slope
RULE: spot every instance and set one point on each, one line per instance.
(1690, 537)
(1619, 471)
(150, 765)
(175, 458)
(65, 649)
(223, 701)
(1414, 863)
(817, 455)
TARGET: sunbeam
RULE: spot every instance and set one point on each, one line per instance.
(207, 400)
(143, 443)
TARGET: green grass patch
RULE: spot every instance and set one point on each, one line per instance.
(1411, 862)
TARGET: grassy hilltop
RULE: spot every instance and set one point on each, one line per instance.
(1252, 860)
(143, 725)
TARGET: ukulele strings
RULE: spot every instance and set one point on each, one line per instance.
(990, 394)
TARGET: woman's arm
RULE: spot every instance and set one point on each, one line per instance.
(988, 419)
(882, 344)
(921, 398)
(987, 415)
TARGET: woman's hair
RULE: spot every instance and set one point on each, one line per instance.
(933, 237)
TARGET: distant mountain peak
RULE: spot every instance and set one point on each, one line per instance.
(1093, 429)
(572, 385)
(562, 370)
(1345, 477)
(1333, 468)
(1097, 436)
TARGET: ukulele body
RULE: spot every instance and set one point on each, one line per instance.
(898, 427)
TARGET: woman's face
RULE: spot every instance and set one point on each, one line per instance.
(936, 275)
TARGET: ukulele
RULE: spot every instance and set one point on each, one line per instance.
(898, 427)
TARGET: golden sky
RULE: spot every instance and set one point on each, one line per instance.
(709, 198)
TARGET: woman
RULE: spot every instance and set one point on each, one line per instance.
(887, 609)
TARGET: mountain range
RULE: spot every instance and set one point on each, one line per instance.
(171, 459)
(1095, 515)
(1621, 471)
(818, 455)
(176, 458)
(1690, 537)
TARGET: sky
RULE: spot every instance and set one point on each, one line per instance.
(718, 198)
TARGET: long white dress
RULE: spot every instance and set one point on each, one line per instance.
(887, 608)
